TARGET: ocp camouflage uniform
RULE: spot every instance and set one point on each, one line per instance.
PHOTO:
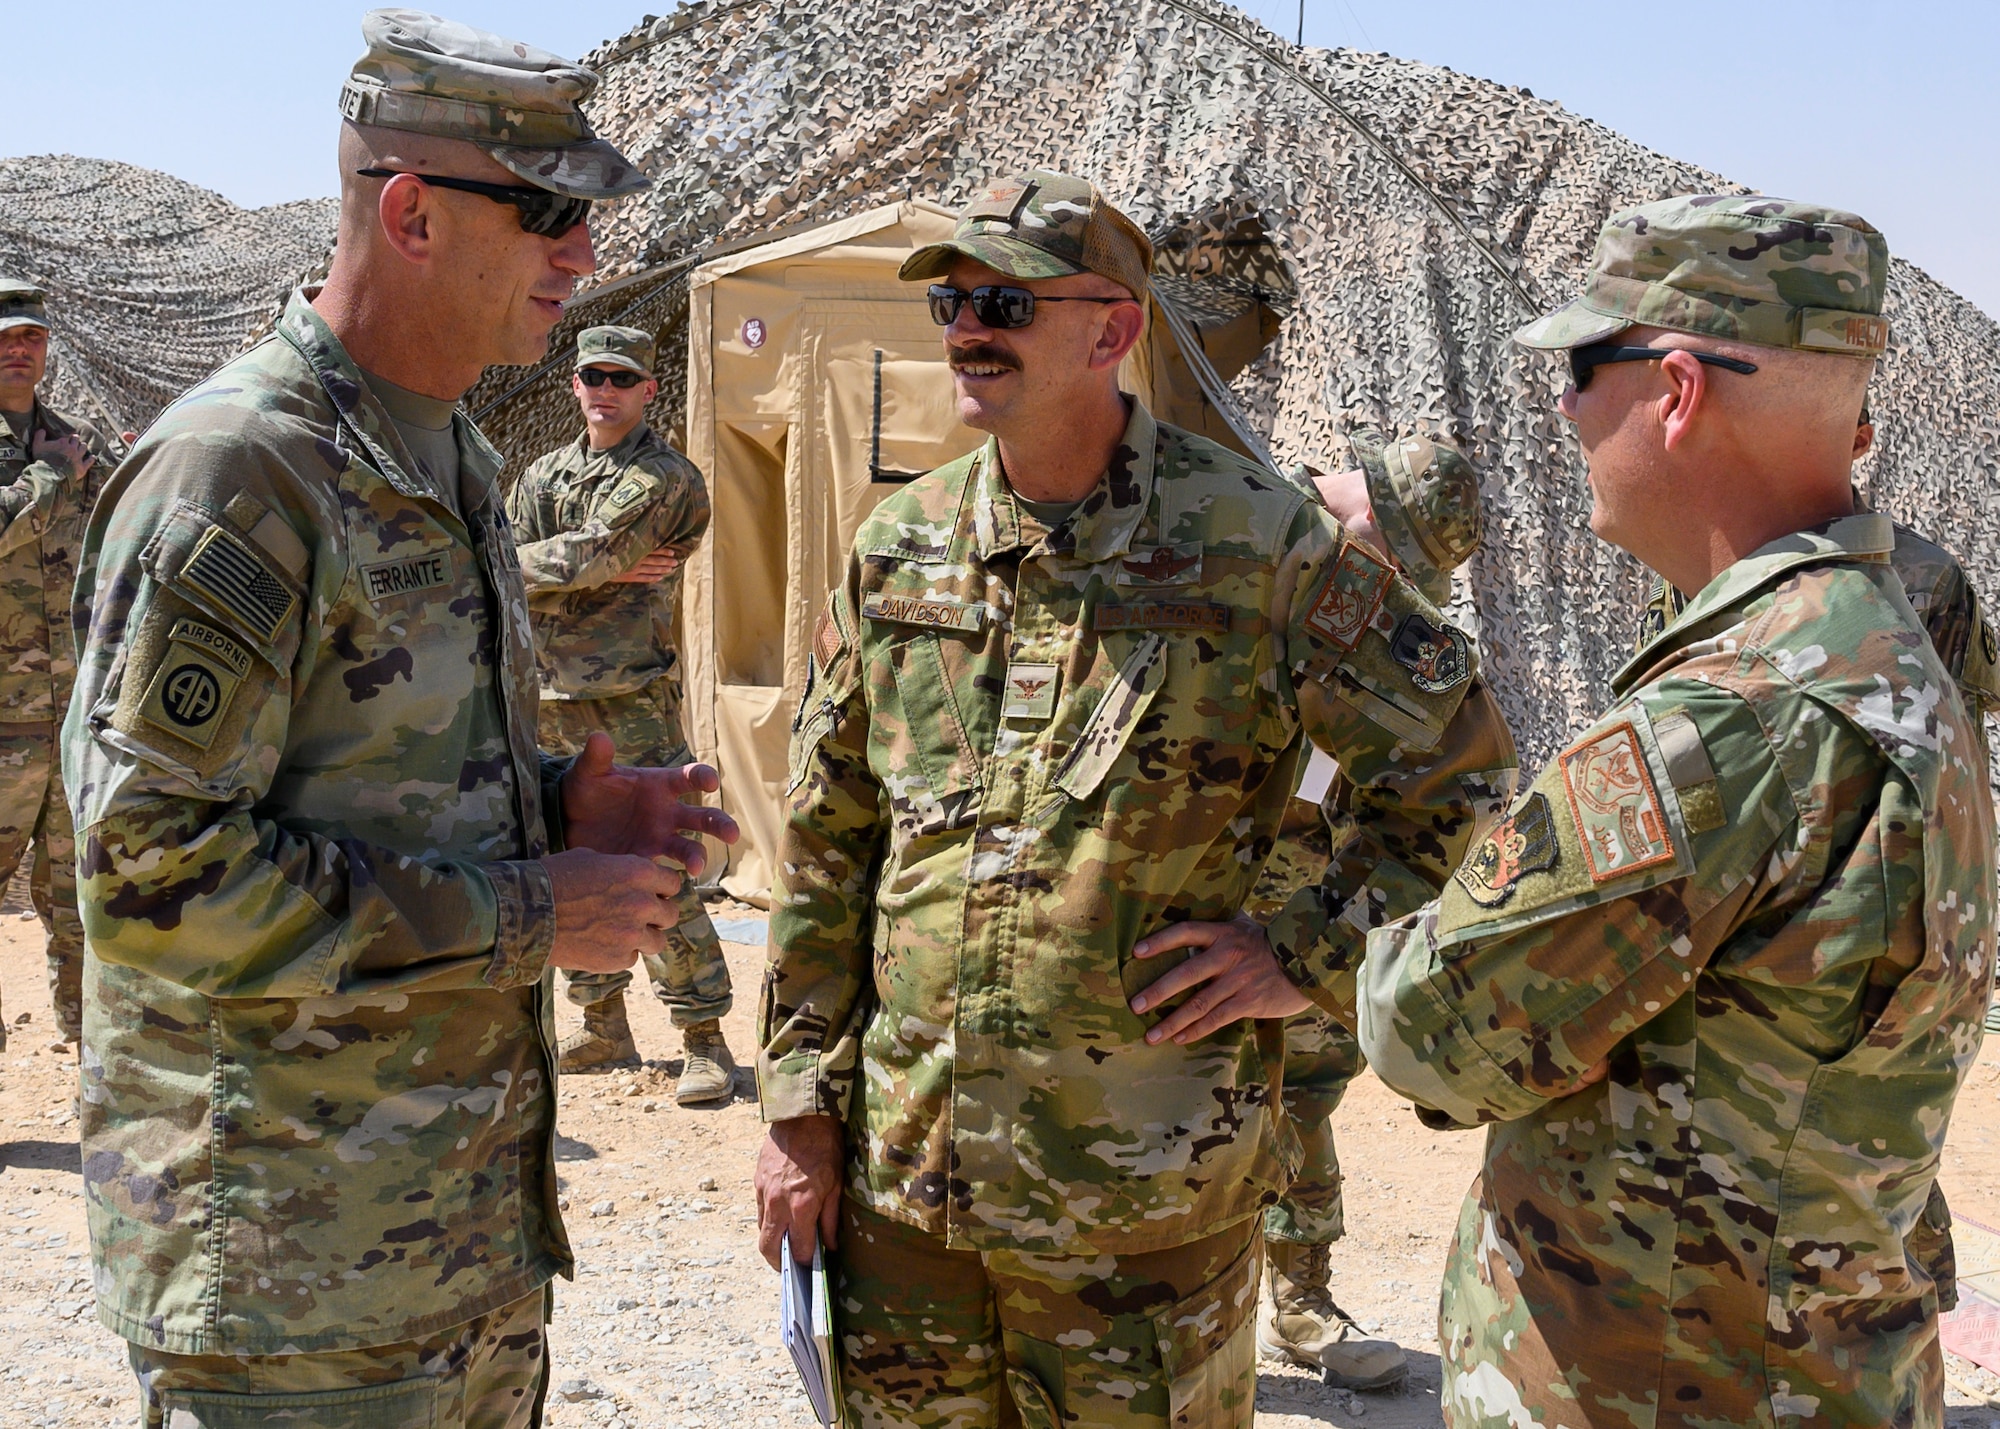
(1019, 751)
(42, 512)
(605, 650)
(317, 1109)
(1758, 892)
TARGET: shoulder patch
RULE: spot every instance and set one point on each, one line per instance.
(630, 492)
(1522, 843)
(195, 683)
(1619, 821)
(1350, 595)
(225, 571)
(1437, 657)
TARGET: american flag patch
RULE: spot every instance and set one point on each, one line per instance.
(229, 575)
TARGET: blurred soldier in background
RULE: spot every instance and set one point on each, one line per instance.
(603, 526)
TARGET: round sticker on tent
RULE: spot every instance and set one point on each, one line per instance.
(754, 333)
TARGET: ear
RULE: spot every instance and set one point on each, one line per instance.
(408, 212)
(1118, 334)
(1864, 439)
(651, 387)
(1687, 395)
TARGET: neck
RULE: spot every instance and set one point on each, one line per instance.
(389, 330)
(17, 402)
(603, 437)
(1062, 460)
(1744, 528)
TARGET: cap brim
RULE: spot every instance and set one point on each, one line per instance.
(996, 250)
(1571, 325)
(611, 359)
(22, 320)
(594, 170)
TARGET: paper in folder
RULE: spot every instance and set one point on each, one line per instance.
(806, 1313)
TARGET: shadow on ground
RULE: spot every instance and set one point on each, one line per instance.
(42, 1155)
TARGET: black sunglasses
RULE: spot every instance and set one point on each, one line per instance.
(995, 306)
(619, 377)
(1584, 361)
(549, 214)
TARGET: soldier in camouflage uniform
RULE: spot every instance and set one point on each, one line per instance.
(1716, 978)
(324, 870)
(1056, 702)
(1416, 501)
(603, 525)
(51, 468)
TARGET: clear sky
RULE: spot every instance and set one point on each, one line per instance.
(1889, 109)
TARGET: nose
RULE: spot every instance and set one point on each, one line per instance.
(1566, 404)
(573, 252)
(966, 329)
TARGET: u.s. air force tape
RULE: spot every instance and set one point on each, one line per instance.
(1161, 615)
(197, 677)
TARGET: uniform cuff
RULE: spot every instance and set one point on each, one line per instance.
(553, 823)
(792, 1086)
(525, 931)
(1313, 954)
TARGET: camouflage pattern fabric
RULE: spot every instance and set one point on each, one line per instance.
(1759, 892)
(631, 348)
(936, 1338)
(317, 1060)
(42, 512)
(1321, 1056)
(691, 977)
(1042, 225)
(1425, 497)
(1019, 751)
(489, 1373)
(581, 517)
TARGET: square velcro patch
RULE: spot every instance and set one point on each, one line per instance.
(1350, 595)
(1617, 810)
(1031, 692)
(194, 682)
(223, 570)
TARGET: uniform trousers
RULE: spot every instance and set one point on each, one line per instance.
(934, 1338)
(1321, 1056)
(488, 1373)
(34, 814)
(690, 977)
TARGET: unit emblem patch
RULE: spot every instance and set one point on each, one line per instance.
(1438, 659)
(1349, 598)
(195, 682)
(1617, 809)
(1521, 844)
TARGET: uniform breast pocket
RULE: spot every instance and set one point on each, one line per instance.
(1115, 717)
(927, 759)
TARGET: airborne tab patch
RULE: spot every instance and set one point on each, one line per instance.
(423, 571)
(911, 610)
(1348, 600)
(1162, 615)
(223, 569)
(1437, 658)
(195, 682)
(1617, 809)
(1521, 844)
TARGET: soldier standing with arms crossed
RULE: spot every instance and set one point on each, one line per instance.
(51, 468)
(1058, 701)
(325, 870)
(1715, 979)
(603, 526)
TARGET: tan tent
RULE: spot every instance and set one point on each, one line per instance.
(816, 384)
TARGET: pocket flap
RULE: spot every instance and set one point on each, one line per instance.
(1112, 722)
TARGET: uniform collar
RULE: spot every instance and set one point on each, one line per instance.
(624, 452)
(364, 415)
(1864, 536)
(1104, 523)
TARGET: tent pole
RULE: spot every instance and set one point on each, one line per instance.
(1302, 21)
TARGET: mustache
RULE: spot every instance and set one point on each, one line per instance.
(985, 354)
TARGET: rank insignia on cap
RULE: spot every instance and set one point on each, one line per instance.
(1350, 596)
(1438, 659)
(1031, 692)
(1617, 809)
(1521, 844)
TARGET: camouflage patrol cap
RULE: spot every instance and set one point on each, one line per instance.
(627, 347)
(1756, 269)
(22, 305)
(1042, 225)
(1425, 497)
(522, 105)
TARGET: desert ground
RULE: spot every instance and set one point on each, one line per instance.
(671, 1319)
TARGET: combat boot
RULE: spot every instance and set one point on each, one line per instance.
(710, 1072)
(1298, 1321)
(603, 1042)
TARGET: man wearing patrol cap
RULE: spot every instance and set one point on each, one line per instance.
(1416, 500)
(603, 526)
(1713, 978)
(324, 869)
(1057, 702)
(51, 468)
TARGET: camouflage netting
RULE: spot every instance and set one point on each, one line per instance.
(152, 282)
(1425, 215)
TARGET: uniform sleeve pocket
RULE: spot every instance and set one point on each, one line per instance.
(1111, 724)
